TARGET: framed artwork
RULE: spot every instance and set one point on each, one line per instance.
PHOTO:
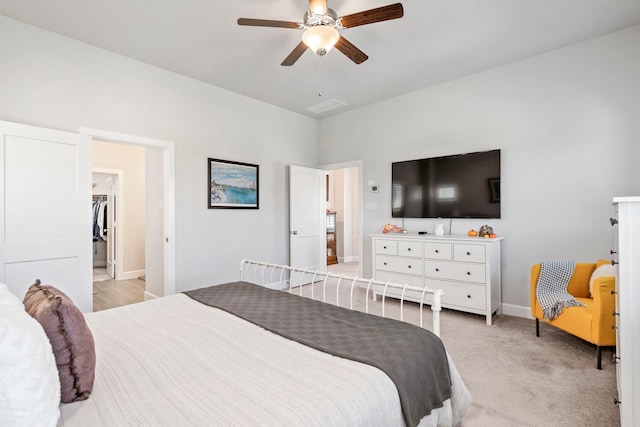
(232, 185)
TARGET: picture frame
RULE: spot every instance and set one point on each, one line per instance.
(232, 185)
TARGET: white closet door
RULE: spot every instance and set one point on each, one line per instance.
(111, 230)
(45, 211)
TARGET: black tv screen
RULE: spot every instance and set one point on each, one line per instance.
(458, 186)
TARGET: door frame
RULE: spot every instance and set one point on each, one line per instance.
(354, 164)
(168, 150)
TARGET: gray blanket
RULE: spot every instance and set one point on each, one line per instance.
(551, 288)
(414, 358)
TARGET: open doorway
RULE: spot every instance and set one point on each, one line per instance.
(159, 208)
(344, 215)
(119, 223)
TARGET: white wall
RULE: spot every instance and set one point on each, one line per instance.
(567, 123)
(55, 82)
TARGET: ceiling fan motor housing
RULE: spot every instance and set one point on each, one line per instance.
(311, 19)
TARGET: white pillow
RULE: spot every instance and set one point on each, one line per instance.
(29, 383)
(604, 270)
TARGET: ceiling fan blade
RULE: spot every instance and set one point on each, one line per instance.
(267, 23)
(318, 6)
(295, 54)
(351, 52)
(384, 13)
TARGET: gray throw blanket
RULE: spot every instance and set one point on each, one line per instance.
(414, 358)
(551, 288)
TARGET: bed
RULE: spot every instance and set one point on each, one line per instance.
(178, 361)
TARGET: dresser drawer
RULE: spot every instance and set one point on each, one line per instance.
(388, 247)
(460, 294)
(399, 264)
(453, 271)
(410, 249)
(435, 250)
(469, 253)
(400, 279)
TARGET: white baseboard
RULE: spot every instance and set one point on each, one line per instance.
(128, 275)
(517, 311)
(348, 259)
(149, 295)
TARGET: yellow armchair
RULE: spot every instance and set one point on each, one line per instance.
(594, 322)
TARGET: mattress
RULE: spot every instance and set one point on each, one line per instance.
(173, 361)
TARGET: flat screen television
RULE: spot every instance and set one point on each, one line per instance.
(458, 186)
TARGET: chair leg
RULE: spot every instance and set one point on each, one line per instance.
(537, 327)
(599, 366)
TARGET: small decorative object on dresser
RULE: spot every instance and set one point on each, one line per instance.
(466, 268)
(485, 230)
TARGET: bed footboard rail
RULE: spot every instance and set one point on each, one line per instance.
(283, 277)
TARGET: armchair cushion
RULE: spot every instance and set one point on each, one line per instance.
(604, 269)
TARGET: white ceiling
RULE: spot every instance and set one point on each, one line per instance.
(435, 41)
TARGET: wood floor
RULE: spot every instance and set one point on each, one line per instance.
(116, 293)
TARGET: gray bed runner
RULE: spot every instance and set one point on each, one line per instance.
(414, 358)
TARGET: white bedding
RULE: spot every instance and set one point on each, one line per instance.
(173, 361)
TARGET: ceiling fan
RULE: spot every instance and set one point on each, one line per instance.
(321, 26)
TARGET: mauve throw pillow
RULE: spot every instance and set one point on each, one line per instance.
(70, 337)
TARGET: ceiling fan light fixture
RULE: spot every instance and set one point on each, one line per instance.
(320, 39)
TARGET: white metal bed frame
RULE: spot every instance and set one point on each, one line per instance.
(258, 276)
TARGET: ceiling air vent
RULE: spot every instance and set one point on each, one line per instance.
(325, 106)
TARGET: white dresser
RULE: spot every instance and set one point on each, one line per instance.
(627, 232)
(466, 268)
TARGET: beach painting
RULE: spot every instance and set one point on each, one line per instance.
(232, 184)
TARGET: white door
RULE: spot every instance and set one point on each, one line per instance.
(45, 211)
(307, 219)
(111, 229)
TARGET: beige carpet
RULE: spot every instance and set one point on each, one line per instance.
(515, 378)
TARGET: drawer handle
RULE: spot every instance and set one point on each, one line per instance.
(437, 251)
(409, 266)
(468, 296)
(384, 263)
(468, 253)
(437, 269)
(468, 273)
(384, 247)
